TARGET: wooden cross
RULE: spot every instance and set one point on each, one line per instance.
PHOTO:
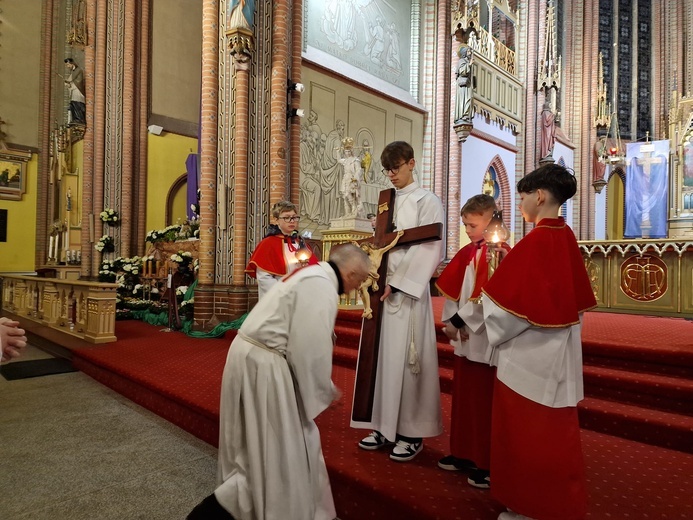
(364, 390)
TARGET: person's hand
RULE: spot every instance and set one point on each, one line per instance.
(12, 338)
(499, 249)
(451, 331)
(386, 293)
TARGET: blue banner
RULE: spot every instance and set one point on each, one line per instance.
(647, 189)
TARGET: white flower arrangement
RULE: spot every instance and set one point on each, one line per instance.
(105, 244)
(109, 216)
(181, 290)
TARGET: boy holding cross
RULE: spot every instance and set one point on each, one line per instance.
(406, 404)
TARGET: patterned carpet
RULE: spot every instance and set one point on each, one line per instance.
(633, 365)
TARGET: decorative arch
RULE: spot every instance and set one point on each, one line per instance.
(176, 186)
(615, 217)
(503, 200)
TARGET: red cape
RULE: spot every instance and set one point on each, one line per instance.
(449, 282)
(269, 256)
(543, 278)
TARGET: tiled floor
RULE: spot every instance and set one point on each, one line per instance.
(72, 449)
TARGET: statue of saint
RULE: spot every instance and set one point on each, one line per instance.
(463, 75)
(351, 181)
(77, 113)
(548, 130)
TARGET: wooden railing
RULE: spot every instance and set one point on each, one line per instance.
(83, 309)
(645, 276)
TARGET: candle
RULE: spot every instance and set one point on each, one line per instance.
(50, 248)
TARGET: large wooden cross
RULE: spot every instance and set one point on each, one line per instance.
(364, 391)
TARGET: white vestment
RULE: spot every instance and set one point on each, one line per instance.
(539, 363)
(266, 280)
(406, 402)
(477, 347)
(277, 379)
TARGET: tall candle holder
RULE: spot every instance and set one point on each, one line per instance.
(495, 234)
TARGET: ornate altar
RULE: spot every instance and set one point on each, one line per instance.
(641, 277)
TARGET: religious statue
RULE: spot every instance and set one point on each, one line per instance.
(240, 14)
(548, 130)
(77, 113)
(78, 31)
(463, 75)
(376, 256)
(366, 159)
(351, 181)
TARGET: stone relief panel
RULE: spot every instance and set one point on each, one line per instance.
(372, 35)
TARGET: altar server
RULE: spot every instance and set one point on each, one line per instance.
(533, 308)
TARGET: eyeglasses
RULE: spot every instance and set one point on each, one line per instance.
(393, 171)
(290, 219)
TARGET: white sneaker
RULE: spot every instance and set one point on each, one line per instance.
(374, 441)
(510, 515)
(405, 451)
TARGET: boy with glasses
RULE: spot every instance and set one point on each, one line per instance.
(406, 405)
(275, 255)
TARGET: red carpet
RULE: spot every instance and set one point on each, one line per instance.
(178, 378)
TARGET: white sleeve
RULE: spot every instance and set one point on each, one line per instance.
(265, 281)
(501, 326)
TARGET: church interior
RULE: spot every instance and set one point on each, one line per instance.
(144, 143)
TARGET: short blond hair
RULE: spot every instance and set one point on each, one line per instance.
(283, 206)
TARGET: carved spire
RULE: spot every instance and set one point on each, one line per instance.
(549, 75)
(603, 117)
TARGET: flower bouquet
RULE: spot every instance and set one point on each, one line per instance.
(110, 217)
(105, 244)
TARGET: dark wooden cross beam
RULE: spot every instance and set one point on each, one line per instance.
(366, 370)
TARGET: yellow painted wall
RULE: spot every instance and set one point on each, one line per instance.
(17, 254)
(180, 204)
(167, 154)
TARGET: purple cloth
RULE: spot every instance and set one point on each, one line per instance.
(193, 182)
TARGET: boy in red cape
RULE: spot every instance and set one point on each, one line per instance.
(473, 377)
(533, 306)
(275, 255)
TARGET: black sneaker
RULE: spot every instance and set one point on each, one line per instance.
(405, 451)
(480, 478)
(452, 463)
(374, 441)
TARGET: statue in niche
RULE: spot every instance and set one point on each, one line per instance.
(548, 130)
(240, 14)
(351, 181)
(78, 31)
(463, 79)
(77, 113)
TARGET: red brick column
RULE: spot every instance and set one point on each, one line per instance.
(281, 11)
(87, 208)
(129, 145)
(295, 132)
(44, 137)
(204, 295)
(238, 292)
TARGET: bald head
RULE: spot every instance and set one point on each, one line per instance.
(353, 264)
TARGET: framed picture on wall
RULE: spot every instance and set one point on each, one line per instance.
(13, 173)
